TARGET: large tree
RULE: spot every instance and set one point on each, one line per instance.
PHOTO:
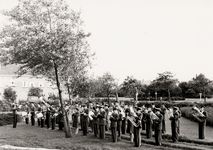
(165, 81)
(131, 87)
(202, 85)
(44, 37)
(107, 84)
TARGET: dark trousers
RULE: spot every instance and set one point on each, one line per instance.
(174, 133)
(32, 120)
(124, 126)
(85, 128)
(39, 122)
(158, 137)
(102, 131)
(14, 120)
(119, 131)
(53, 123)
(148, 130)
(201, 130)
(42, 122)
(163, 126)
(60, 125)
(96, 130)
(106, 126)
(143, 124)
(114, 135)
(27, 120)
(137, 136)
(48, 120)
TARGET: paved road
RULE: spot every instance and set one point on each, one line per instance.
(196, 100)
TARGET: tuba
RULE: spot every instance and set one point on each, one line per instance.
(198, 114)
(132, 118)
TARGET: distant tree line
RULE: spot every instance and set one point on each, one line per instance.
(164, 87)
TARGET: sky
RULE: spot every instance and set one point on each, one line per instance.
(142, 38)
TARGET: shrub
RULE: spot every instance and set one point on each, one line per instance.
(6, 119)
(187, 113)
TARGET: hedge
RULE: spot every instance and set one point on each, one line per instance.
(187, 113)
(7, 119)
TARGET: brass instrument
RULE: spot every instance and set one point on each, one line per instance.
(198, 111)
(153, 116)
(198, 114)
(132, 120)
(39, 115)
(91, 113)
(132, 111)
(170, 113)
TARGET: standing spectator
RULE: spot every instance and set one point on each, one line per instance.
(174, 124)
(32, 114)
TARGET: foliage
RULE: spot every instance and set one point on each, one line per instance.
(10, 94)
(6, 119)
(187, 113)
(35, 91)
(45, 38)
(164, 82)
(107, 82)
(132, 86)
(198, 84)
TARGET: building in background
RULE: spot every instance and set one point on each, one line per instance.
(22, 84)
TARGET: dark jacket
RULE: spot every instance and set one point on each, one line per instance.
(114, 119)
(158, 122)
(102, 118)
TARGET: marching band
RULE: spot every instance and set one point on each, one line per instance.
(119, 118)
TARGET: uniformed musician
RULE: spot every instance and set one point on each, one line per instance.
(15, 115)
(202, 123)
(174, 124)
(102, 122)
(119, 123)
(113, 124)
(158, 127)
(32, 114)
(96, 120)
(149, 123)
(137, 128)
(76, 117)
(163, 112)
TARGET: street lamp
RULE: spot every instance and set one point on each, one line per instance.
(156, 95)
(149, 95)
(200, 96)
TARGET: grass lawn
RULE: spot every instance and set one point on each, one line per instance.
(33, 136)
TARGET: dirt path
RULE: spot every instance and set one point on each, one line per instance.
(190, 129)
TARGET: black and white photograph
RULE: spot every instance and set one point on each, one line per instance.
(106, 75)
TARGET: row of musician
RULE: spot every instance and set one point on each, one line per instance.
(121, 119)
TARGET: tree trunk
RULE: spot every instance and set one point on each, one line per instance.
(68, 133)
(109, 103)
(116, 96)
(68, 89)
(169, 95)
